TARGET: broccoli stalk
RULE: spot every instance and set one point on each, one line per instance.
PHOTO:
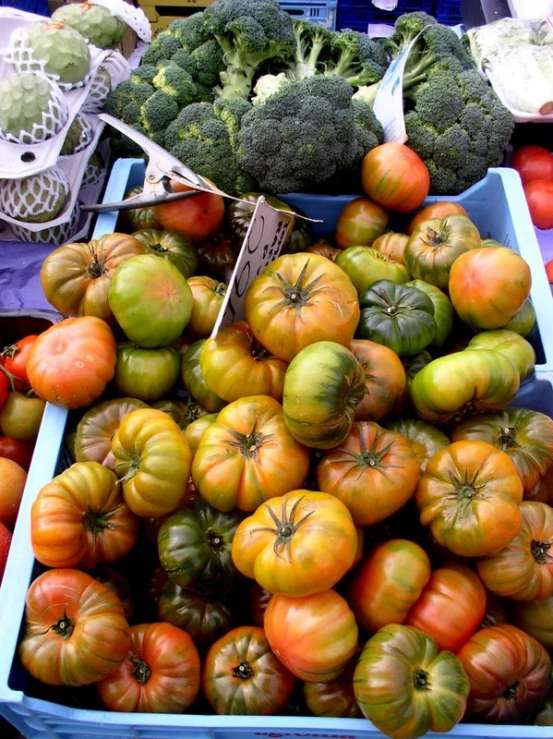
(357, 58)
(312, 42)
(249, 32)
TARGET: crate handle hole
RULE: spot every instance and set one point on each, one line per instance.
(27, 157)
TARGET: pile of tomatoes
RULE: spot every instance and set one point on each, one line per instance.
(329, 507)
(535, 166)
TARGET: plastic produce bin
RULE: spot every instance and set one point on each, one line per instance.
(56, 714)
(448, 12)
(358, 15)
(318, 12)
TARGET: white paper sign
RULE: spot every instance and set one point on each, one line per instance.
(267, 233)
(388, 104)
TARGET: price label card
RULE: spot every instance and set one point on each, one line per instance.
(267, 234)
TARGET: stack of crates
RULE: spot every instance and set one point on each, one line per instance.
(448, 12)
(358, 15)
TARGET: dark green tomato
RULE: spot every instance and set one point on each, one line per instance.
(194, 546)
(425, 439)
(193, 379)
(146, 374)
(240, 212)
(323, 384)
(444, 312)
(301, 237)
(183, 411)
(216, 257)
(137, 218)
(205, 619)
(400, 317)
(415, 363)
(170, 245)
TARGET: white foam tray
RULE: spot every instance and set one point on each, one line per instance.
(519, 116)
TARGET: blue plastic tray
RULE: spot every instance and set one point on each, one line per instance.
(318, 12)
(490, 204)
(358, 15)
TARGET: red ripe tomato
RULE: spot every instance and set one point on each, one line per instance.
(14, 359)
(18, 451)
(394, 176)
(533, 163)
(359, 223)
(549, 270)
(539, 196)
(4, 387)
(439, 209)
(196, 217)
(5, 541)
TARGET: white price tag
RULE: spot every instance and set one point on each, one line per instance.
(267, 233)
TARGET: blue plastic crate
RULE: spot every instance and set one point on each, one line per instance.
(448, 12)
(495, 205)
(358, 15)
(318, 12)
(40, 7)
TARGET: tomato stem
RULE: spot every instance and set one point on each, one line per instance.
(420, 680)
(64, 626)
(298, 295)
(540, 551)
(141, 672)
(242, 671)
(511, 693)
(286, 527)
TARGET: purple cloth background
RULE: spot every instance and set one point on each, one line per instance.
(20, 275)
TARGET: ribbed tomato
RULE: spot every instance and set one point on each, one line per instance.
(394, 176)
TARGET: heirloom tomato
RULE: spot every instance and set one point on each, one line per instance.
(172, 246)
(462, 383)
(21, 416)
(284, 544)
(300, 299)
(469, 496)
(4, 387)
(438, 209)
(194, 381)
(183, 411)
(450, 607)
(113, 579)
(80, 519)
(525, 435)
(150, 300)
(75, 278)
(71, 363)
(194, 547)
(153, 460)
(364, 266)
(135, 219)
(248, 455)
(509, 673)
(524, 320)
(496, 612)
(489, 286)
(14, 359)
(196, 217)
(512, 345)
(216, 257)
(75, 631)
(400, 317)
(542, 492)
(234, 365)
(359, 223)
(385, 379)
(394, 176)
(205, 617)
(335, 698)
(20, 452)
(406, 686)
(241, 675)
(539, 197)
(425, 439)
(97, 426)
(319, 413)
(533, 163)
(315, 636)
(388, 583)
(535, 617)
(324, 249)
(145, 374)
(435, 245)
(207, 300)
(160, 674)
(373, 472)
(443, 310)
(194, 431)
(239, 215)
(523, 570)
(392, 245)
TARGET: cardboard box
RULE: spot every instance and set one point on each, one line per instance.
(162, 13)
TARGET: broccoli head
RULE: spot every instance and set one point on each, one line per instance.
(406, 28)
(158, 111)
(175, 82)
(126, 93)
(357, 57)
(209, 63)
(459, 128)
(163, 46)
(249, 33)
(144, 73)
(203, 137)
(191, 31)
(311, 49)
(301, 135)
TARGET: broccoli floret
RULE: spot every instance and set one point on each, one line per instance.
(406, 28)
(144, 73)
(125, 93)
(132, 114)
(209, 61)
(357, 58)
(459, 128)
(369, 131)
(311, 49)
(158, 111)
(185, 60)
(249, 32)
(191, 31)
(302, 135)
(177, 83)
(202, 137)
(162, 47)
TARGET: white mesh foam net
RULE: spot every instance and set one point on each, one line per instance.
(38, 198)
(99, 90)
(52, 121)
(129, 14)
(94, 172)
(87, 133)
(57, 235)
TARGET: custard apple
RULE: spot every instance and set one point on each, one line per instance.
(61, 234)
(37, 198)
(94, 22)
(32, 108)
(99, 90)
(53, 48)
(78, 136)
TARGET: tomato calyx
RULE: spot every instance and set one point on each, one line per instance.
(511, 694)
(466, 489)
(243, 671)
(215, 541)
(141, 672)
(420, 680)
(371, 456)
(129, 468)
(286, 527)
(507, 438)
(95, 522)
(249, 444)
(298, 295)
(433, 237)
(540, 551)
(64, 626)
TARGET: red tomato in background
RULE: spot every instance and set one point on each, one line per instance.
(5, 541)
(539, 196)
(394, 176)
(533, 163)
(18, 451)
(196, 217)
(548, 272)
(4, 387)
